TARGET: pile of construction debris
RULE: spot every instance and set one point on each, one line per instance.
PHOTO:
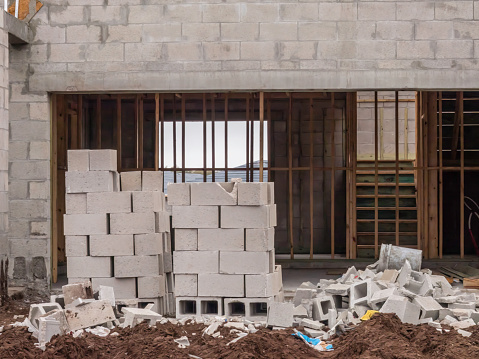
(415, 295)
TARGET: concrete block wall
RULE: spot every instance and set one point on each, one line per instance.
(117, 238)
(4, 132)
(224, 248)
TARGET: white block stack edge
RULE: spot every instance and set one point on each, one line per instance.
(119, 238)
(223, 260)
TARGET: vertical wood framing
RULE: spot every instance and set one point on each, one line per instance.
(290, 175)
(381, 133)
(140, 132)
(419, 166)
(175, 165)
(252, 143)
(460, 96)
(354, 154)
(118, 126)
(425, 208)
(441, 194)
(57, 111)
(261, 135)
(226, 137)
(376, 175)
(204, 139)
(396, 150)
(98, 122)
(183, 135)
(213, 125)
(80, 122)
(311, 179)
(247, 136)
(333, 174)
(432, 210)
(406, 134)
(157, 130)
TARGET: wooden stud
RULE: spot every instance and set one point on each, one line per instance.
(98, 123)
(140, 133)
(261, 135)
(376, 175)
(174, 139)
(432, 184)
(396, 148)
(311, 178)
(252, 142)
(157, 130)
(183, 135)
(354, 135)
(419, 165)
(290, 176)
(247, 137)
(213, 125)
(57, 116)
(381, 133)
(460, 95)
(204, 139)
(118, 125)
(406, 134)
(226, 137)
(425, 208)
(456, 130)
(441, 194)
(333, 174)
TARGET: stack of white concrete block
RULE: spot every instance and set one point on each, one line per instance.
(118, 238)
(223, 258)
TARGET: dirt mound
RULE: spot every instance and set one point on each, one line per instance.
(385, 336)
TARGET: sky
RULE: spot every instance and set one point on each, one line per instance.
(194, 144)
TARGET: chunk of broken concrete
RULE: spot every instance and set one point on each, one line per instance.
(88, 315)
(77, 290)
(280, 314)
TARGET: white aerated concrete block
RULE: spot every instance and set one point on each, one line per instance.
(78, 160)
(89, 267)
(244, 262)
(152, 181)
(186, 285)
(109, 202)
(198, 306)
(259, 239)
(253, 193)
(130, 181)
(144, 202)
(103, 160)
(148, 244)
(196, 216)
(186, 239)
(151, 287)
(125, 288)
(75, 203)
(132, 223)
(222, 239)
(76, 246)
(248, 216)
(179, 194)
(194, 262)
(136, 266)
(253, 309)
(86, 182)
(111, 245)
(260, 285)
(280, 314)
(85, 224)
(429, 307)
(162, 222)
(214, 194)
(220, 285)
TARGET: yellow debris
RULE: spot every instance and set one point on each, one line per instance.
(369, 314)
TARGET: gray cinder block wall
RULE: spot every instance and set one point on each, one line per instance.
(119, 45)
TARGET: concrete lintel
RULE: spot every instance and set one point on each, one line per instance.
(255, 81)
(19, 32)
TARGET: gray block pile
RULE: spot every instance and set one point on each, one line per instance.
(224, 249)
(415, 295)
(118, 238)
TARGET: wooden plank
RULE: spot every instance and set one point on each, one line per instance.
(432, 211)
(419, 163)
(376, 169)
(98, 122)
(381, 133)
(226, 138)
(261, 135)
(213, 145)
(354, 154)
(311, 179)
(141, 124)
(460, 102)
(290, 176)
(157, 131)
(333, 174)
(162, 132)
(183, 135)
(118, 125)
(204, 139)
(456, 130)
(396, 150)
(175, 164)
(441, 194)
(251, 161)
(348, 176)
(406, 134)
(57, 114)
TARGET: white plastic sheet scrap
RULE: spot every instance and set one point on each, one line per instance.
(314, 343)
(240, 335)
(183, 342)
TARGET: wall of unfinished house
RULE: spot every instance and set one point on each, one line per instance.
(87, 46)
(3, 138)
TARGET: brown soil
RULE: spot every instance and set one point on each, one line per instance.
(384, 336)
(20, 305)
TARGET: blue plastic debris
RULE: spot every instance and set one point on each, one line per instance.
(315, 343)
